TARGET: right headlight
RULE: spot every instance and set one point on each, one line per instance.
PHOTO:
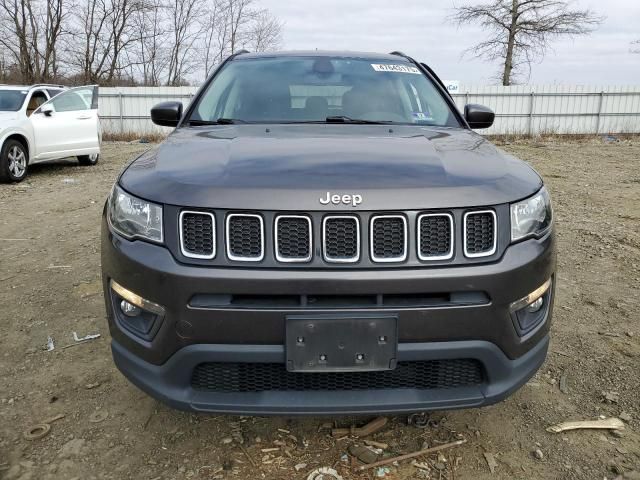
(133, 217)
(531, 217)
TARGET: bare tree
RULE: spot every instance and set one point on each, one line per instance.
(265, 33)
(125, 41)
(151, 24)
(215, 38)
(235, 24)
(104, 31)
(16, 34)
(54, 16)
(5, 67)
(30, 31)
(239, 13)
(122, 34)
(635, 46)
(185, 33)
(521, 31)
(89, 49)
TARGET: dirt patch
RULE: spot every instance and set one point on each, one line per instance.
(50, 287)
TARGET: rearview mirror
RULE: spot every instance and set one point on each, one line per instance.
(167, 114)
(47, 110)
(478, 116)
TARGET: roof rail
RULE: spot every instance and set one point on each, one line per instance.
(33, 85)
(47, 85)
(239, 52)
(400, 54)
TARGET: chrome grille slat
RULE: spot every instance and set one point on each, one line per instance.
(480, 233)
(435, 236)
(388, 238)
(245, 237)
(197, 234)
(293, 238)
(324, 238)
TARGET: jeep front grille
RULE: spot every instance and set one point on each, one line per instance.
(197, 234)
(341, 237)
(316, 239)
(388, 238)
(480, 233)
(245, 237)
(293, 238)
(435, 236)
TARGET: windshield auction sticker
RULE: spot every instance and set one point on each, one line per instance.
(386, 67)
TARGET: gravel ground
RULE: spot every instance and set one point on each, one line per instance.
(50, 286)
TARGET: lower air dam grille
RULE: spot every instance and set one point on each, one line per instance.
(261, 377)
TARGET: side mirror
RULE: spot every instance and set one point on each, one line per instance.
(167, 114)
(478, 116)
(47, 110)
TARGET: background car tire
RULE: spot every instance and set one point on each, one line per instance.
(14, 161)
(88, 159)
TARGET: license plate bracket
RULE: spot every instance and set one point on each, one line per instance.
(330, 343)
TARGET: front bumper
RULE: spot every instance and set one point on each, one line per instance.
(170, 382)
(186, 337)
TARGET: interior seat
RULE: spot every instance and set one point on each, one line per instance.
(274, 103)
(316, 108)
(35, 101)
(362, 99)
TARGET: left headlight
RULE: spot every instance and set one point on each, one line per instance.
(531, 217)
(133, 217)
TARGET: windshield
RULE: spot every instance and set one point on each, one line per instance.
(322, 89)
(11, 100)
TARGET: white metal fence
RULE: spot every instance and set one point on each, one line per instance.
(522, 109)
(533, 110)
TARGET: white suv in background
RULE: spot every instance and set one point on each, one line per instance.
(47, 122)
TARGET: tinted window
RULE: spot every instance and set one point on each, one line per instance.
(52, 93)
(300, 89)
(73, 100)
(11, 100)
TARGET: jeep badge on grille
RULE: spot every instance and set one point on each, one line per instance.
(348, 199)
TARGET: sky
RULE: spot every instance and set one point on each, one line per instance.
(420, 29)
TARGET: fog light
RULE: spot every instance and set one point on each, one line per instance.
(531, 311)
(535, 306)
(136, 300)
(531, 298)
(129, 309)
(134, 313)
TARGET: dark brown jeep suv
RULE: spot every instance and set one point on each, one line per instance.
(325, 233)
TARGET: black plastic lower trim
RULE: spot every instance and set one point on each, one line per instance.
(171, 382)
(273, 377)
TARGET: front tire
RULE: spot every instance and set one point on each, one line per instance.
(88, 160)
(14, 161)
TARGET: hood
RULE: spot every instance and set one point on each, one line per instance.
(290, 167)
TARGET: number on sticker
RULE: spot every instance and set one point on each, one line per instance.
(386, 67)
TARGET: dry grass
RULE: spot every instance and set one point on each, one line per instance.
(134, 137)
(564, 138)
(499, 139)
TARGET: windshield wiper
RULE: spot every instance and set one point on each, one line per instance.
(330, 119)
(345, 119)
(219, 121)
